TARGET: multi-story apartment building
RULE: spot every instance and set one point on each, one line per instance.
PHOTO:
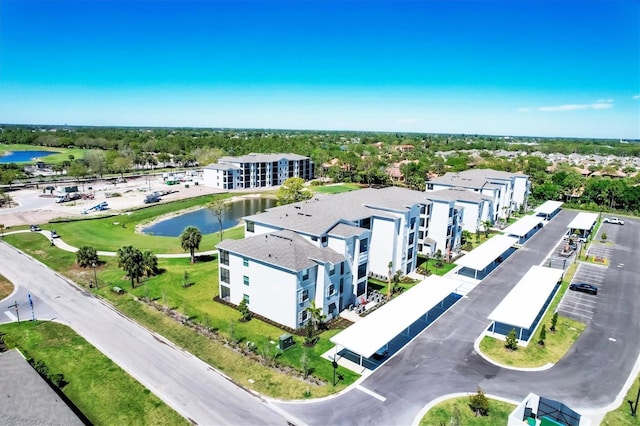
(476, 208)
(444, 228)
(507, 190)
(257, 171)
(370, 232)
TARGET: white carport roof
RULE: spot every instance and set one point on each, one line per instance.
(482, 256)
(377, 329)
(583, 221)
(523, 303)
(523, 225)
(548, 207)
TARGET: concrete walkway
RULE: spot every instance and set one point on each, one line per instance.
(59, 243)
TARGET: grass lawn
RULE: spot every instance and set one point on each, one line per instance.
(196, 302)
(6, 287)
(108, 397)
(63, 153)
(556, 344)
(621, 416)
(111, 233)
(430, 265)
(441, 414)
(334, 189)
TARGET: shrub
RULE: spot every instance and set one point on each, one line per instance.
(86, 256)
(543, 335)
(512, 340)
(554, 322)
(479, 403)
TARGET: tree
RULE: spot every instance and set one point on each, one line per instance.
(455, 417)
(243, 307)
(479, 403)
(121, 164)
(149, 264)
(554, 322)
(511, 342)
(190, 240)
(543, 335)
(316, 314)
(86, 256)
(97, 161)
(218, 207)
(131, 261)
(305, 364)
(293, 190)
(389, 277)
(486, 225)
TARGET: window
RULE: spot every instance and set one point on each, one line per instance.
(342, 268)
(303, 316)
(245, 297)
(362, 286)
(324, 241)
(250, 226)
(245, 279)
(245, 262)
(303, 296)
(366, 223)
(331, 290)
(362, 271)
(332, 269)
(224, 275)
(224, 257)
(305, 275)
(341, 285)
(364, 245)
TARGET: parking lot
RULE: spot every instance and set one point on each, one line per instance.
(581, 306)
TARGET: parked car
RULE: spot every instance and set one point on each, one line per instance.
(584, 288)
(54, 234)
(35, 228)
(614, 220)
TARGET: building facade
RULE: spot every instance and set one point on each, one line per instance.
(257, 171)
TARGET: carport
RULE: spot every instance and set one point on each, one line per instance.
(407, 315)
(524, 228)
(548, 209)
(582, 224)
(525, 304)
(485, 258)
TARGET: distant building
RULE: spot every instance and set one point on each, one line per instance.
(257, 171)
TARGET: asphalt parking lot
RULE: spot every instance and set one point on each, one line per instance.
(581, 306)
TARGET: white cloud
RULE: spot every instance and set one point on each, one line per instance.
(602, 101)
(524, 109)
(636, 97)
(573, 107)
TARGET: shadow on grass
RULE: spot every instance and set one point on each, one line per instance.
(203, 258)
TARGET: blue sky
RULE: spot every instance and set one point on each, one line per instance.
(540, 68)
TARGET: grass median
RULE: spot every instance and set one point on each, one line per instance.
(6, 287)
(100, 389)
(442, 413)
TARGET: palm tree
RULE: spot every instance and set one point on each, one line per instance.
(149, 264)
(389, 277)
(131, 261)
(316, 314)
(486, 224)
(190, 240)
(218, 207)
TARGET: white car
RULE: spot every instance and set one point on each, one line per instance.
(614, 220)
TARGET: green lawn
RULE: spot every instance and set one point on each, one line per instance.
(621, 416)
(556, 344)
(104, 392)
(441, 414)
(111, 233)
(196, 302)
(6, 287)
(335, 189)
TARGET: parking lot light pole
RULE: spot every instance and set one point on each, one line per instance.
(95, 277)
(634, 408)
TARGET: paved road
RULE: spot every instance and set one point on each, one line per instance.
(442, 360)
(187, 384)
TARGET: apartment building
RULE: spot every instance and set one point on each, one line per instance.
(370, 231)
(257, 171)
(508, 191)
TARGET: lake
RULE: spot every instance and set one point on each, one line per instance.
(206, 221)
(24, 156)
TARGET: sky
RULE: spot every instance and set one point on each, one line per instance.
(518, 68)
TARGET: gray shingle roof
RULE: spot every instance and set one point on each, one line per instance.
(261, 158)
(473, 178)
(224, 166)
(282, 248)
(344, 230)
(320, 214)
(457, 194)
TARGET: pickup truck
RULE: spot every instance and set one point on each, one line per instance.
(614, 220)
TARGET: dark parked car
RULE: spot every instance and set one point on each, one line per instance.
(35, 228)
(584, 287)
(54, 234)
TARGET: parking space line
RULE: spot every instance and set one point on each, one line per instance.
(372, 393)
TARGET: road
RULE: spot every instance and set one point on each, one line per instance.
(442, 360)
(187, 384)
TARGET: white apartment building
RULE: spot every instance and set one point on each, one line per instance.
(367, 229)
(507, 190)
(257, 171)
(475, 207)
(444, 230)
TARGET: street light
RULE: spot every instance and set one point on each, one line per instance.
(335, 369)
(95, 277)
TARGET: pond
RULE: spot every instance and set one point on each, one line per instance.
(206, 221)
(24, 156)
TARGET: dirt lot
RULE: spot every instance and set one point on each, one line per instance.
(35, 207)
